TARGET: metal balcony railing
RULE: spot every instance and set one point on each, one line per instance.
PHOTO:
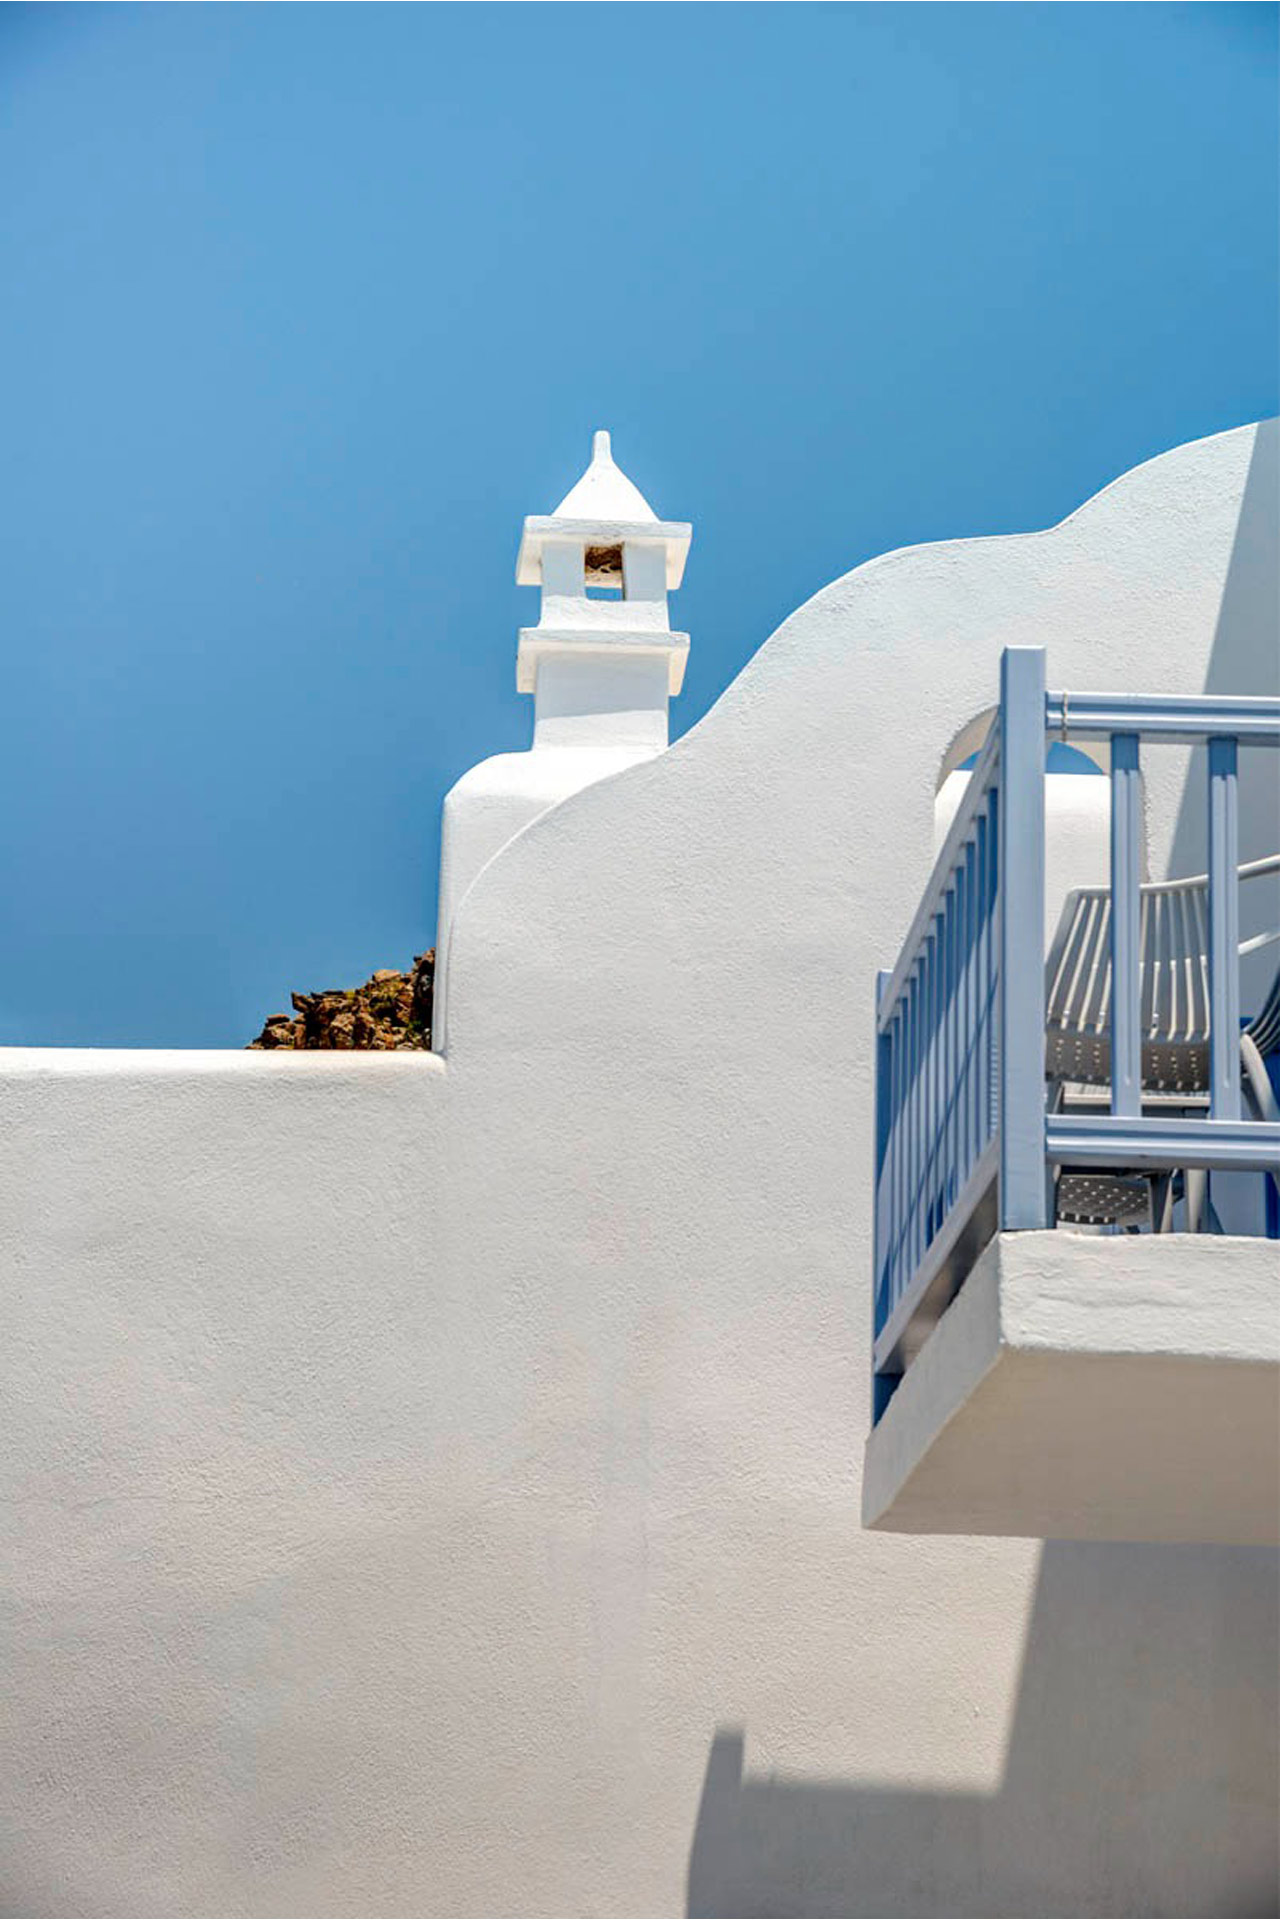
(969, 1139)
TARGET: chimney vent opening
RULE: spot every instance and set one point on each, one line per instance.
(602, 567)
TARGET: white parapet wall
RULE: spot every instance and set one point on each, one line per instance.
(434, 1487)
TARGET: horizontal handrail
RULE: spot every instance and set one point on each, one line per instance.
(1252, 719)
(1251, 870)
(1158, 1141)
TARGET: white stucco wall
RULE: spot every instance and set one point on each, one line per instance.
(593, 716)
(434, 1489)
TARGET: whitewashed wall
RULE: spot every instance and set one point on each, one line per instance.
(432, 1488)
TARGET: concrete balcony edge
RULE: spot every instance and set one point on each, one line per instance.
(1091, 1387)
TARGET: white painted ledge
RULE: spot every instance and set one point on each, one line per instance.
(1097, 1388)
(283, 1064)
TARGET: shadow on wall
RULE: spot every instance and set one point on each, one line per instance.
(1114, 1799)
(1246, 651)
(1246, 659)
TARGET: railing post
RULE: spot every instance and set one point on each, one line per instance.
(968, 1151)
(1224, 933)
(885, 1157)
(1126, 958)
(1023, 1198)
(884, 1128)
(987, 963)
(952, 902)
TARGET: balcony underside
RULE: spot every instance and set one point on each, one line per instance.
(1093, 1388)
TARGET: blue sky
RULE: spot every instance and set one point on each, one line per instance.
(306, 307)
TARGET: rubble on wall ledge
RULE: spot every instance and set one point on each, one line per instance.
(391, 1012)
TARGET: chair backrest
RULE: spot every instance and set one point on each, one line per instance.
(1264, 1028)
(1174, 998)
(1174, 995)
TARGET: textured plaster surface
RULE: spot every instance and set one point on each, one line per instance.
(1094, 1388)
(436, 1490)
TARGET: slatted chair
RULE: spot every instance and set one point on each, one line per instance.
(1174, 1018)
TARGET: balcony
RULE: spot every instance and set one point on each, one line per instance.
(1077, 1277)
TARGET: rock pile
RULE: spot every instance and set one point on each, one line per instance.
(391, 1012)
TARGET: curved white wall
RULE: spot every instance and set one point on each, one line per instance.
(418, 1478)
(593, 716)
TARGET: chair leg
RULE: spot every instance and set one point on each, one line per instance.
(1170, 1202)
(1258, 1088)
(1257, 1082)
(1162, 1203)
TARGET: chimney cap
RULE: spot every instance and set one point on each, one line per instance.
(603, 508)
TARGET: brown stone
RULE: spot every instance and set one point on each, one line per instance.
(391, 1011)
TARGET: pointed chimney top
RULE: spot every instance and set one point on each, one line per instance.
(604, 491)
(602, 509)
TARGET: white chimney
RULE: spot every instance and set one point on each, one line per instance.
(601, 664)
